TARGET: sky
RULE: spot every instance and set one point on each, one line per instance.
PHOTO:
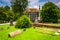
(32, 4)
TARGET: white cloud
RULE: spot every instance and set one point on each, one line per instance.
(36, 7)
(58, 3)
(33, 3)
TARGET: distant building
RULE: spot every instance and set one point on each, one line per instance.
(34, 14)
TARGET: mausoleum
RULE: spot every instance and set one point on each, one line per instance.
(33, 14)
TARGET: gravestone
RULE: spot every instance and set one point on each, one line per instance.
(4, 21)
(24, 29)
(11, 22)
(11, 34)
(58, 31)
(56, 34)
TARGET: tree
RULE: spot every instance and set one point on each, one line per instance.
(2, 14)
(6, 8)
(10, 15)
(6, 14)
(49, 12)
(19, 6)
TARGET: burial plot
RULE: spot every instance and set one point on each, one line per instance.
(11, 34)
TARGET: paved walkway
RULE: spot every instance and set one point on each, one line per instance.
(7, 23)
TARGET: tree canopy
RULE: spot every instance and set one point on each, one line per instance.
(19, 5)
(18, 8)
(6, 14)
(49, 12)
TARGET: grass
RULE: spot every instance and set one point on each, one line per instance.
(29, 34)
(46, 30)
(56, 24)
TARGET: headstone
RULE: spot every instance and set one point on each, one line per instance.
(4, 21)
(58, 31)
(11, 22)
(56, 34)
(11, 34)
(24, 29)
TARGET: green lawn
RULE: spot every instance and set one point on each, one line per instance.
(29, 34)
(56, 24)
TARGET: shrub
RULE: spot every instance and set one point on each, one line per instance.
(23, 22)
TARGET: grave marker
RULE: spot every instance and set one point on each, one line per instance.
(11, 34)
(11, 22)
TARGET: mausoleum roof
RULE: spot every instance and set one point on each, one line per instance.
(32, 10)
